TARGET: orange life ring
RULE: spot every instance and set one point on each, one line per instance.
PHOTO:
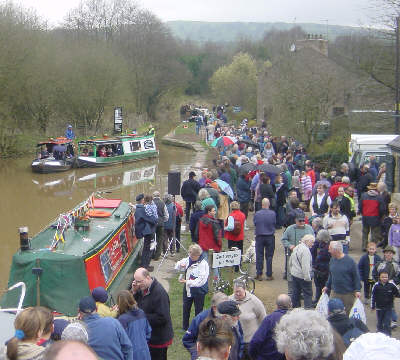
(98, 213)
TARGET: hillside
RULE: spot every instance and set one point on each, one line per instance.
(230, 31)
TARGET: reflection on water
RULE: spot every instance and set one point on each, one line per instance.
(34, 200)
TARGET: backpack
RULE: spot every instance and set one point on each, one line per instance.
(350, 335)
(237, 227)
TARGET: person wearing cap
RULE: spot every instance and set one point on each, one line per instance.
(189, 190)
(291, 238)
(392, 268)
(107, 337)
(144, 225)
(300, 268)
(163, 217)
(69, 133)
(100, 295)
(189, 339)
(344, 279)
(339, 320)
(229, 311)
(152, 298)
(263, 345)
(372, 209)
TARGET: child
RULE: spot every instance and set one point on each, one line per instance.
(365, 267)
(100, 295)
(394, 236)
(387, 223)
(383, 294)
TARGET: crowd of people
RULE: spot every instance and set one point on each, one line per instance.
(276, 179)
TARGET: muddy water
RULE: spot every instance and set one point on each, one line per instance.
(34, 200)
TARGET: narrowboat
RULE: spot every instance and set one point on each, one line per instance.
(54, 155)
(92, 245)
(111, 151)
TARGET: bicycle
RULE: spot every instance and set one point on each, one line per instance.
(245, 275)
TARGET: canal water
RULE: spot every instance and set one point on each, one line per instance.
(35, 200)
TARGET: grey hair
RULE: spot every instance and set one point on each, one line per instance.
(239, 283)
(323, 236)
(218, 298)
(317, 221)
(308, 238)
(344, 165)
(346, 179)
(195, 249)
(197, 205)
(76, 331)
(304, 334)
(203, 194)
(283, 302)
(336, 245)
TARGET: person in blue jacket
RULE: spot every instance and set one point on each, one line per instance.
(135, 323)
(365, 268)
(243, 194)
(107, 337)
(189, 340)
(69, 133)
(262, 345)
(145, 227)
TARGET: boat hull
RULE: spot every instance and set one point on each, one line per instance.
(86, 161)
(51, 166)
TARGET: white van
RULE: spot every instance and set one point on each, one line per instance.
(362, 146)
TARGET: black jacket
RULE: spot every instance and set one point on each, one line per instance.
(341, 323)
(155, 305)
(363, 266)
(189, 190)
(383, 295)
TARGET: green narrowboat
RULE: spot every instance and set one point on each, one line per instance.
(111, 151)
(92, 245)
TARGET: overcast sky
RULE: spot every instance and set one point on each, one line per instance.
(340, 12)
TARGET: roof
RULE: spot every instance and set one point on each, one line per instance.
(115, 140)
(57, 141)
(395, 143)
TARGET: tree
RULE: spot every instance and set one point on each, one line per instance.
(301, 92)
(236, 83)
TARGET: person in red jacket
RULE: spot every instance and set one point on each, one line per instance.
(310, 172)
(234, 228)
(208, 234)
(339, 182)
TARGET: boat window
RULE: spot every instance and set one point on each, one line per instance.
(135, 145)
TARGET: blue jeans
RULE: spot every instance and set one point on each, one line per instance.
(264, 243)
(197, 129)
(384, 319)
(301, 286)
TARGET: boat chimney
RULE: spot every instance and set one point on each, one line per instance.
(23, 238)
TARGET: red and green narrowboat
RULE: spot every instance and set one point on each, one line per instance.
(92, 245)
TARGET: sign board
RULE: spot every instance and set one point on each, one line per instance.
(237, 109)
(226, 258)
(118, 119)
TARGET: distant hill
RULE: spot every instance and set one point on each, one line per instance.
(230, 31)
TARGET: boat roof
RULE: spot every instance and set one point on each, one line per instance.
(83, 243)
(115, 140)
(56, 141)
